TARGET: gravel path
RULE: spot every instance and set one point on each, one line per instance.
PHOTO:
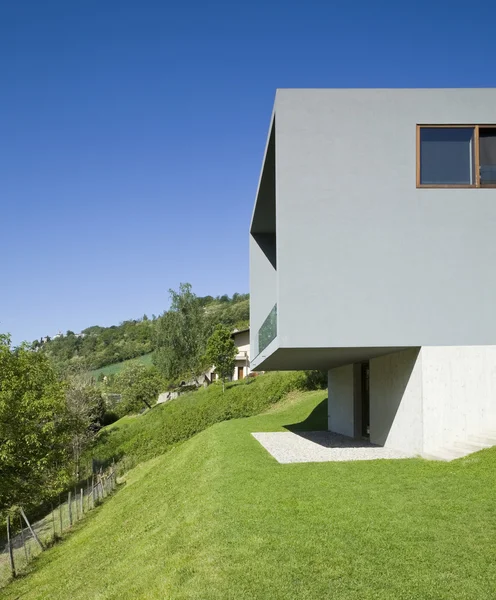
(321, 446)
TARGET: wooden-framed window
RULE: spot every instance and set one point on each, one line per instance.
(459, 156)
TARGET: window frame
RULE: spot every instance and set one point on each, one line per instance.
(477, 183)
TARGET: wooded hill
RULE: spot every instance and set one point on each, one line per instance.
(97, 346)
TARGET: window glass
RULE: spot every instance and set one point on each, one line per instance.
(487, 155)
(446, 155)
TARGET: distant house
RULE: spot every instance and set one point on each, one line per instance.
(241, 338)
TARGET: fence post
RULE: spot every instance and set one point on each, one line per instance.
(60, 516)
(82, 506)
(23, 540)
(93, 488)
(31, 529)
(101, 484)
(69, 504)
(76, 504)
(53, 521)
(11, 552)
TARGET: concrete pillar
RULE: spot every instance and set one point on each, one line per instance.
(396, 401)
(340, 412)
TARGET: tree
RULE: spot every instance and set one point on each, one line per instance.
(139, 385)
(86, 410)
(181, 337)
(221, 352)
(33, 427)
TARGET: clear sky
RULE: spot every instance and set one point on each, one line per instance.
(132, 134)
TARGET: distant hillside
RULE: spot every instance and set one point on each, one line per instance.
(146, 359)
(96, 347)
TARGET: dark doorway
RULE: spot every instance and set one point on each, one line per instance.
(241, 373)
(365, 381)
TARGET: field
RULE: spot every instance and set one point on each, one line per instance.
(218, 518)
(146, 359)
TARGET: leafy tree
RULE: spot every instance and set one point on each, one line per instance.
(139, 385)
(182, 334)
(33, 427)
(221, 352)
(86, 410)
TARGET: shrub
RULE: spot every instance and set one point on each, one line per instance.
(109, 418)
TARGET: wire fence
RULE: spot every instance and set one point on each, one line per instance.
(25, 541)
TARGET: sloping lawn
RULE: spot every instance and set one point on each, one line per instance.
(141, 437)
(218, 518)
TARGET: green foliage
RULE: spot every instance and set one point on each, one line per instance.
(221, 352)
(177, 420)
(109, 417)
(317, 379)
(34, 427)
(233, 314)
(139, 386)
(182, 333)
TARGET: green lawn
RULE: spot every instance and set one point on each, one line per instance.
(217, 518)
(146, 359)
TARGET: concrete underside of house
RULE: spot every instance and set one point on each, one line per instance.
(434, 401)
(276, 358)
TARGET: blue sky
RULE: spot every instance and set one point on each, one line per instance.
(132, 134)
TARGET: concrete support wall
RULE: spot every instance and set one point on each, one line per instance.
(422, 400)
(396, 401)
(459, 393)
(340, 415)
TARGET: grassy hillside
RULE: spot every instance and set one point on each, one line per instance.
(218, 518)
(146, 359)
(142, 437)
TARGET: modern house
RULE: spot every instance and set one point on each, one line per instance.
(373, 256)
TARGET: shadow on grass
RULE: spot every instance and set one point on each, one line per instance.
(316, 420)
(314, 429)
